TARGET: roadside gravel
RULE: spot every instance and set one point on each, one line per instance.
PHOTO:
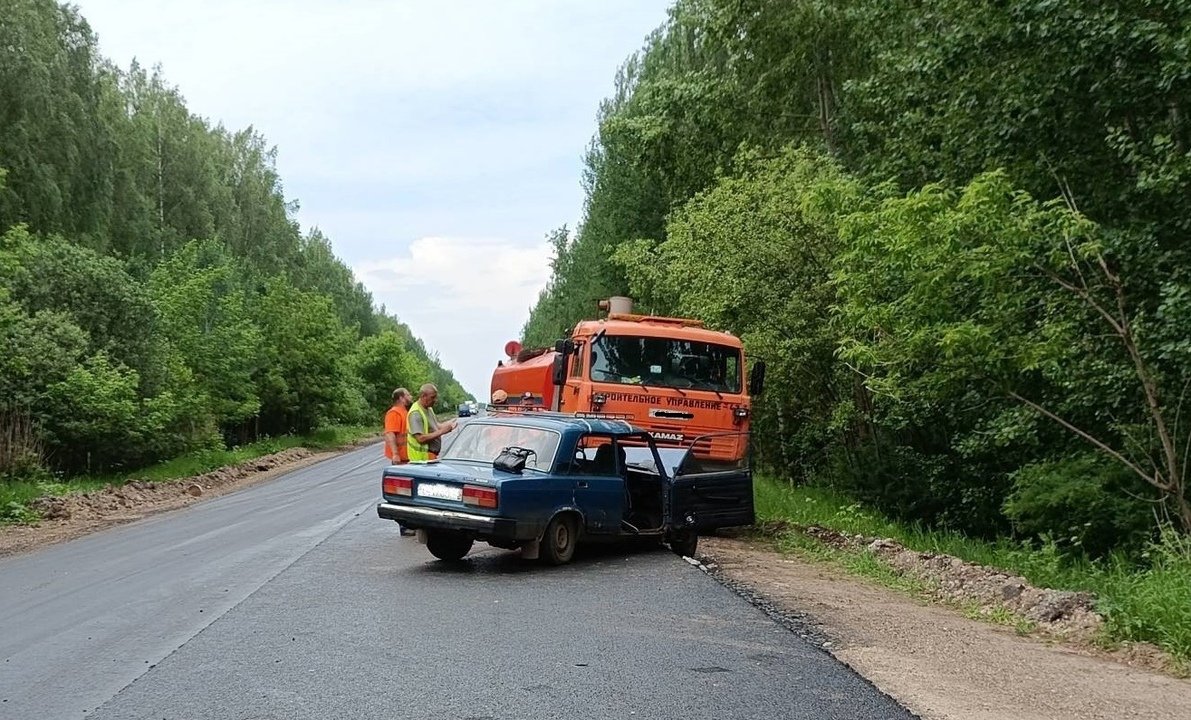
(936, 662)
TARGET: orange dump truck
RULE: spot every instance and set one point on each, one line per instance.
(671, 376)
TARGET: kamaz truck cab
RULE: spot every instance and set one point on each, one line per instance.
(683, 383)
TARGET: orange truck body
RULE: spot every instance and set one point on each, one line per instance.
(683, 383)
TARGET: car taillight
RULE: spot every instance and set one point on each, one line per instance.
(397, 485)
(479, 496)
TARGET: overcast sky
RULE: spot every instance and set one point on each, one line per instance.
(435, 142)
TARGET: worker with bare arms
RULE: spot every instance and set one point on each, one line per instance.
(397, 427)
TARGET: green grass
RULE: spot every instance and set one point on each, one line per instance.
(857, 563)
(15, 496)
(14, 501)
(1146, 601)
(998, 616)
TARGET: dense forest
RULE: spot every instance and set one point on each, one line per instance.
(956, 232)
(157, 295)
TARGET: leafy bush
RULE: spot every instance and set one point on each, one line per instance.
(915, 486)
(1083, 503)
(15, 512)
(91, 417)
(895, 479)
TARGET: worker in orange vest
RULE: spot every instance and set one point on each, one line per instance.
(397, 426)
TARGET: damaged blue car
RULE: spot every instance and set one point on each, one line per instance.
(543, 483)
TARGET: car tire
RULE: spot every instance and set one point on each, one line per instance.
(685, 544)
(558, 543)
(448, 546)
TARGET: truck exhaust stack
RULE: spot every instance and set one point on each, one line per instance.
(617, 305)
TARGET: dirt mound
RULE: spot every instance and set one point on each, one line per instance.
(135, 494)
(1058, 612)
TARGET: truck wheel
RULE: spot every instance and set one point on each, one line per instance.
(684, 544)
(448, 546)
(558, 544)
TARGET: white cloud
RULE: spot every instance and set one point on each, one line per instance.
(465, 297)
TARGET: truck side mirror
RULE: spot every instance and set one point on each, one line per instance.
(757, 379)
(560, 346)
(559, 374)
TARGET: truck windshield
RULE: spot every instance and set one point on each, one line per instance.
(665, 362)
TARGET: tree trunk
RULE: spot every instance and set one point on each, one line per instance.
(826, 110)
(160, 188)
(1182, 507)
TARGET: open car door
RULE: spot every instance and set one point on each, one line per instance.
(705, 496)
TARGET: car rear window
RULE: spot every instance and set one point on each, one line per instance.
(483, 442)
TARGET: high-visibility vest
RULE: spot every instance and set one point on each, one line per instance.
(416, 450)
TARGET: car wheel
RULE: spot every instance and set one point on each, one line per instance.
(558, 544)
(448, 546)
(684, 544)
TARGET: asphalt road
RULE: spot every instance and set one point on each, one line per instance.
(292, 600)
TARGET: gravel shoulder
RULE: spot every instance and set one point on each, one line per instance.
(940, 664)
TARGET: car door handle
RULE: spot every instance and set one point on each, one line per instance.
(581, 484)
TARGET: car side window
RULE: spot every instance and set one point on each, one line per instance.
(596, 455)
(639, 453)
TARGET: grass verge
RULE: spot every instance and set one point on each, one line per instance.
(1146, 599)
(15, 496)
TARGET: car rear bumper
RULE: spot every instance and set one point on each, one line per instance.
(433, 518)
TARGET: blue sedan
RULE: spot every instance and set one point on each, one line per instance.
(543, 482)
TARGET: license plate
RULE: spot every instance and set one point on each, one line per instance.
(441, 492)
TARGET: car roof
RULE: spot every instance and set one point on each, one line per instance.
(558, 421)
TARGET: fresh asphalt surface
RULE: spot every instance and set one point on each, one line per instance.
(291, 600)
